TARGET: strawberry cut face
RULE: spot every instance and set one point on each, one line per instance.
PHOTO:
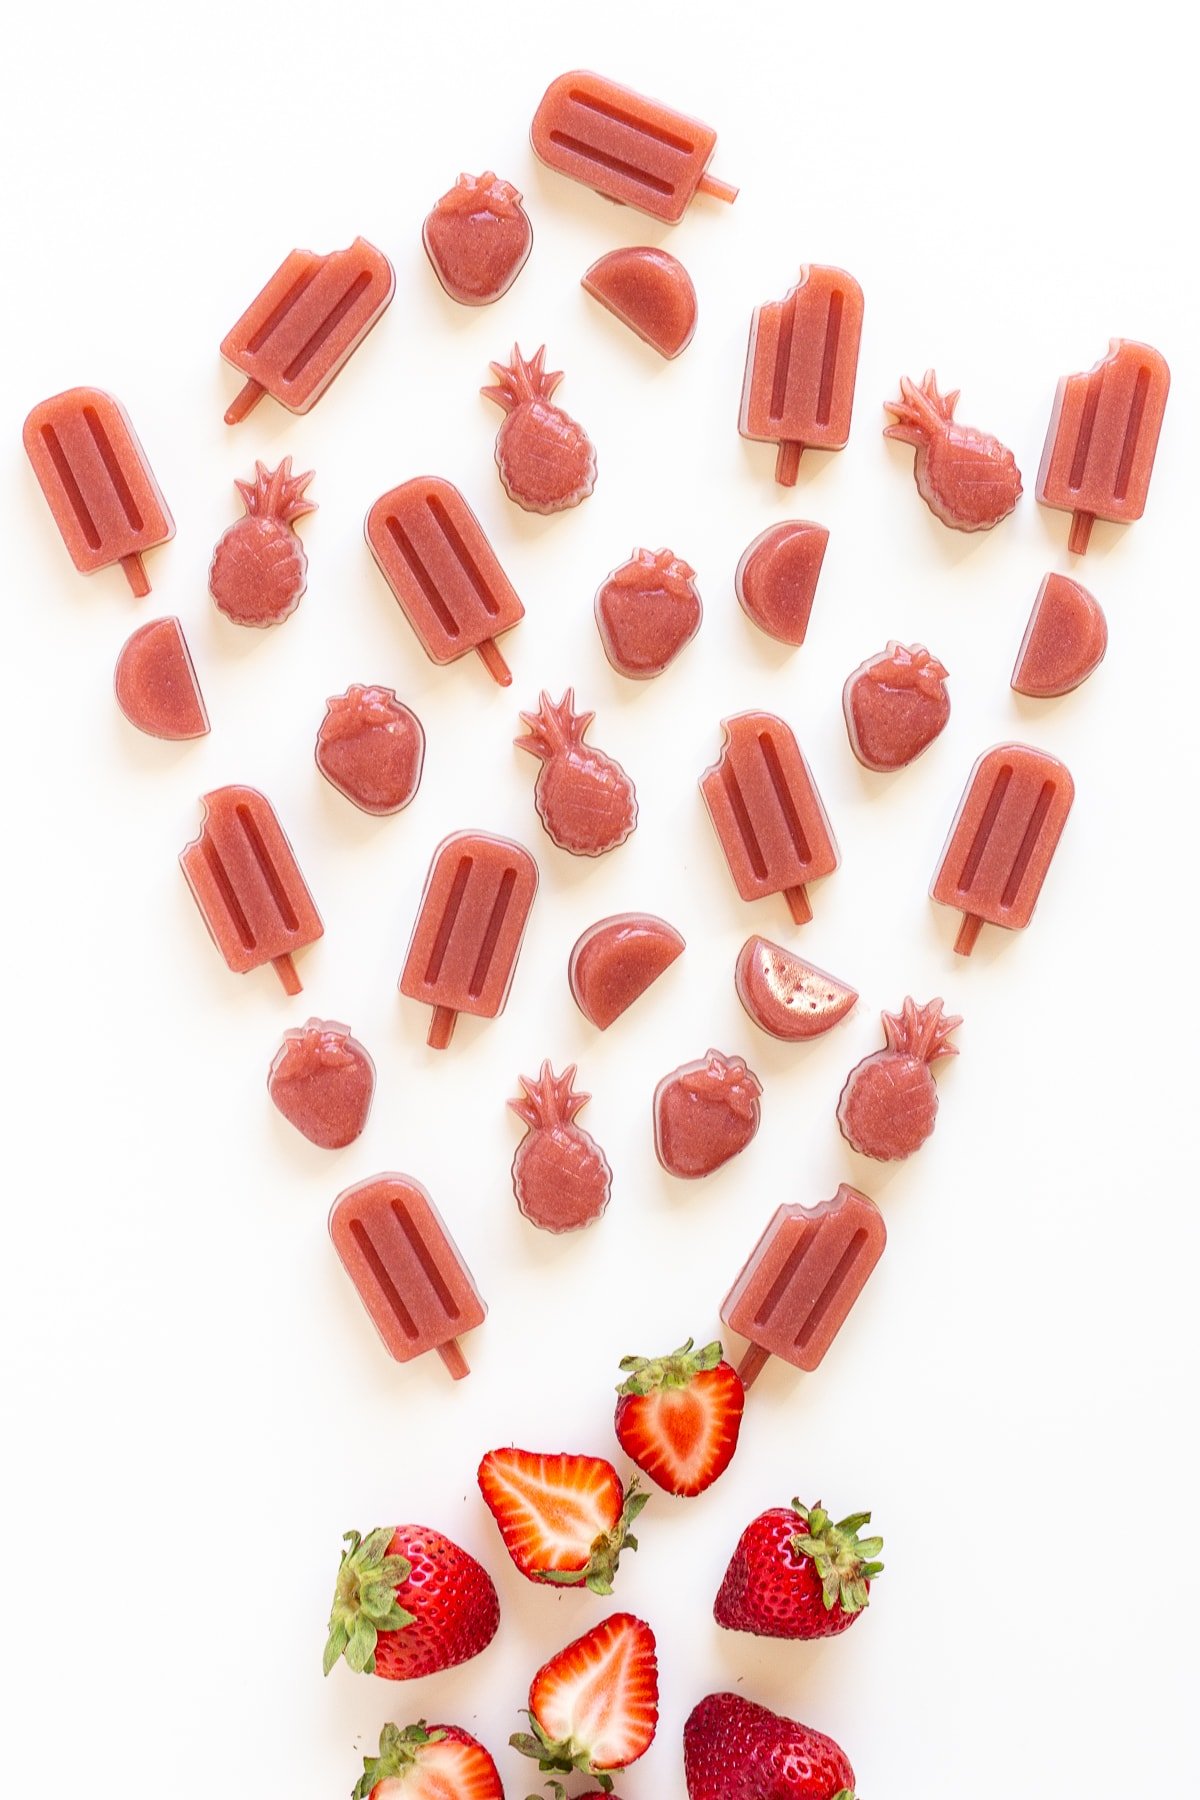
(895, 704)
(646, 612)
(705, 1113)
(594, 1706)
(678, 1416)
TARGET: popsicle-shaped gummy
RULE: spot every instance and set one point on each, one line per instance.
(248, 886)
(1102, 439)
(624, 146)
(298, 332)
(795, 1293)
(469, 928)
(801, 366)
(434, 555)
(767, 813)
(407, 1269)
(97, 482)
(1003, 839)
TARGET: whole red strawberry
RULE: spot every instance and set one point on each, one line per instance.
(409, 1602)
(734, 1749)
(428, 1762)
(795, 1574)
(678, 1416)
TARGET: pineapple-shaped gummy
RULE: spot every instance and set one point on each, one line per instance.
(546, 461)
(967, 478)
(889, 1103)
(585, 800)
(259, 567)
(560, 1174)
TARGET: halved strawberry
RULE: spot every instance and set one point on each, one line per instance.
(678, 1416)
(428, 1762)
(594, 1706)
(563, 1518)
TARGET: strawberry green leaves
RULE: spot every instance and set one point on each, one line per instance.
(364, 1600)
(843, 1560)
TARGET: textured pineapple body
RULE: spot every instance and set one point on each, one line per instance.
(888, 1106)
(586, 801)
(546, 461)
(561, 1178)
(259, 570)
(967, 478)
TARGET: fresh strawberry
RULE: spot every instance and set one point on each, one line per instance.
(795, 1574)
(428, 1762)
(734, 1749)
(563, 1518)
(594, 1706)
(678, 1416)
(408, 1602)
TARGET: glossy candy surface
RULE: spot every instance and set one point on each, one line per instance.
(584, 798)
(616, 960)
(895, 704)
(323, 1080)
(767, 813)
(469, 928)
(1064, 641)
(478, 238)
(628, 148)
(371, 748)
(801, 366)
(1003, 839)
(259, 568)
(705, 1112)
(786, 996)
(1103, 437)
(646, 612)
(97, 482)
(803, 1276)
(776, 579)
(967, 478)
(546, 460)
(650, 291)
(299, 332)
(889, 1104)
(155, 682)
(245, 879)
(561, 1177)
(407, 1269)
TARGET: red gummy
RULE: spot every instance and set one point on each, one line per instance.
(478, 238)
(889, 1104)
(371, 747)
(895, 704)
(259, 569)
(1064, 641)
(1103, 438)
(801, 367)
(776, 579)
(616, 960)
(585, 800)
(786, 996)
(323, 1080)
(650, 291)
(155, 682)
(967, 478)
(561, 1177)
(705, 1112)
(646, 612)
(767, 813)
(546, 461)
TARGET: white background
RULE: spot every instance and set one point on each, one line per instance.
(196, 1404)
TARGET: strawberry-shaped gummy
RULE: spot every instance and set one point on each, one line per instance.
(895, 705)
(734, 1749)
(371, 747)
(797, 1574)
(704, 1113)
(560, 1174)
(408, 1602)
(584, 798)
(546, 461)
(646, 612)
(323, 1081)
(967, 478)
(428, 1762)
(478, 238)
(259, 568)
(888, 1106)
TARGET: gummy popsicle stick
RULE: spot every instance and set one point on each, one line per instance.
(97, 482)
(407, 1269)
(624, 146)
(1102, 439)
(1003, 839)
(298, 333)
(767, 813)
(469, 928)
(801, 366)
(434, 555)
(802, 1278)
(245, 879)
